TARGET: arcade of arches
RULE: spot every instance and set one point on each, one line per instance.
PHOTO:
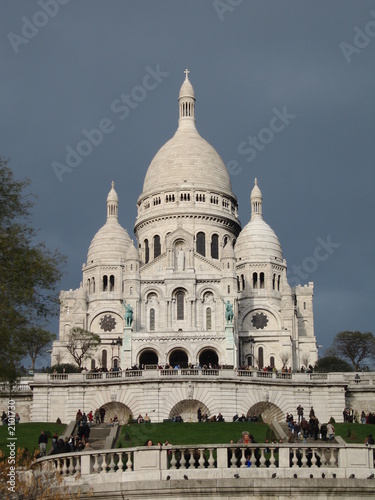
(179, 357)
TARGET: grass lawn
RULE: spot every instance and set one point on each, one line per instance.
(354, 433)
(190, 433)
(28, 434)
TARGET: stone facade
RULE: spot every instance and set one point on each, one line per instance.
(192, 260)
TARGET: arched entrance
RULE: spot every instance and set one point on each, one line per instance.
(113, 408)
(188, 409)
(148, 357)
(208, 356)
(269, 412)
(178, 357)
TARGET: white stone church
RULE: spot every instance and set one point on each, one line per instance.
(191, 263)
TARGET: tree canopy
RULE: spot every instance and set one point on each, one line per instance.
(332, 364)
(29, 274)
(353, 346)
(81, 344)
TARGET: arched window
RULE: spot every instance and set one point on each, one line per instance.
(278, 283)
(215, 246)
(105, 283)
(147, 252)
(180, 299)
(89, 285)
(111, 283)
(273, 281)
(93, 285)
(93, 364)
(255, 280)
(201, 244)
(157, 246)
(152, 320)
(260, 358)
(238, 284)
(243, 281)
(104, 358)
(261, 280)
(208, 318)
(272, 362)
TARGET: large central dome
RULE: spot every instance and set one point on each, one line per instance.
(187, 158)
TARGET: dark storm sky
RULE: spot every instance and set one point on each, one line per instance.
(65, 68)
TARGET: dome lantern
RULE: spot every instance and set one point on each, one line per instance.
(186, 100)
(256, 201)
(112, 203)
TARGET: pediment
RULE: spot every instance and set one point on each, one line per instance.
(156, 266)
(203, 265)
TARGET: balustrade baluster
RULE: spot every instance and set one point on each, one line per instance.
(332, 458)
(304, 457)
(77, 467)
(70, 464)
(129, 464)
(211, 459)
(233, 460)
(201, 459)
(313, 458)
(64, 468)
(112, 463)
(120, 463)
(323, 457)
(183, 459)
(96, 465)
(262, 461)
(272, 458)
(295, 458)
(173, 459)
(58, 466)
(104, 462)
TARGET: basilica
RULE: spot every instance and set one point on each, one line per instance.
(195, 288)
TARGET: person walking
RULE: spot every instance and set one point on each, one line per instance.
(43, 440)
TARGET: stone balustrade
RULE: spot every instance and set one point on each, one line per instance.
(365, 379)
(213, 461)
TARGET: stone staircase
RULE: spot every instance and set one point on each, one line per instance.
(98, 436)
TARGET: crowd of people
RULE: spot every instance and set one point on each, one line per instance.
(308, 426)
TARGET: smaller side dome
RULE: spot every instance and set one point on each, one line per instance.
(111, 242)
(258, 240)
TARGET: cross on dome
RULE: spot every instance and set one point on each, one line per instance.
(186, 74)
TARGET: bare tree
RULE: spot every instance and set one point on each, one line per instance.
(354, 346)
(305, 358)
(37, 341)
(284, 356)
(81, 344)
